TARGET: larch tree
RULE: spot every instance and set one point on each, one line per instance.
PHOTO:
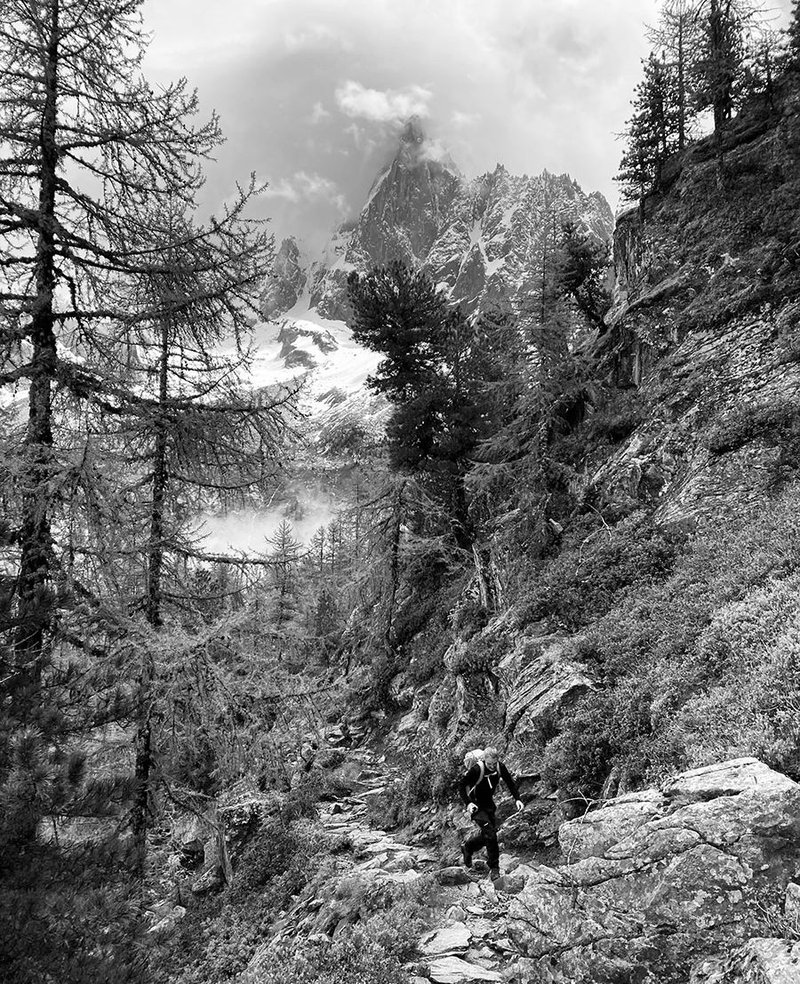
(85, 143)
(112, 305)
(652, 131)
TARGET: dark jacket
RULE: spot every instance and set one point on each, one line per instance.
(483, 794)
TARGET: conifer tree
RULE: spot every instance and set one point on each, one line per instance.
(653, 131)
(582, 273)
(793, 36)
(428, 376)
(112, 304)
(720, 65)
(86, 141)
(676, 37)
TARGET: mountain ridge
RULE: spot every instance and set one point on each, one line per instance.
(485, 241)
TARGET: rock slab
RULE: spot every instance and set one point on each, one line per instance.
(661, 882)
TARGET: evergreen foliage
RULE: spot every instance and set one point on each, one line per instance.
(429, 375)
(583, 273)
(654, 130)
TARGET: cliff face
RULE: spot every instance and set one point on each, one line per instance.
(705, 323)
(483, 241)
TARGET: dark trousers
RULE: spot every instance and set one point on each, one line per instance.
(487, 837)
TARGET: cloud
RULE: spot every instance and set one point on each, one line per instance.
(460, 119)
(317, 38)
(382, 105)
(304, 187)
(319, 113)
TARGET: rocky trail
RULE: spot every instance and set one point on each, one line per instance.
(696, 881)
(468, 939)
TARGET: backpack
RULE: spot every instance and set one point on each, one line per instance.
(471, 759)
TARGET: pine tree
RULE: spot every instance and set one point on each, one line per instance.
(654, 130)
(721, 60)
(428, 376)
(583, 272)
(676, 37)
(793, 36)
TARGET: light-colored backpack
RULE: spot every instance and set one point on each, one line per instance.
(471, 759)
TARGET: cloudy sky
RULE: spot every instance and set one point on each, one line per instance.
(312, 93)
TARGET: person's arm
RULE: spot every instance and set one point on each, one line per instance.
(511, 785)
(467, 781)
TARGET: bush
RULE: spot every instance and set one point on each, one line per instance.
(430, 779)
(392, 920)
(356, 959)
(589, 577)
(479, 655)
(217, 938)
(701, 667)
(780, 421)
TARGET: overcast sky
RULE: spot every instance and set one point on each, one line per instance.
(312, 93)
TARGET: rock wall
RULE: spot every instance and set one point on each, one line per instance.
(659, 882)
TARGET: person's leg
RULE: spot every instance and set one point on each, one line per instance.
(472, 844)
(486, 821)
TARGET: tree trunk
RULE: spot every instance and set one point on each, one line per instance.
(155, 562)
(394, 569)
(681, 83)
(33, 607)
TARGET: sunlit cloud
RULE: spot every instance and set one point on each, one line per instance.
(305, 187)
(315, 38)
(460, 119)
(382, 105)
(319, 113)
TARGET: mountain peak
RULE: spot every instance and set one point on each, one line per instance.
(412, 132)
(417, 148)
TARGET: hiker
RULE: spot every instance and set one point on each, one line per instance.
(477, 790)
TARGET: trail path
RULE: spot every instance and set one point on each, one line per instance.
(468, 940)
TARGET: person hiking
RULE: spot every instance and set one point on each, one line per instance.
(477, 789)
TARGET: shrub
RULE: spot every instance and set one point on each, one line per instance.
(480, 654)
(355, 959)
(779, 420)
(431, 778)
(700, 667)
(589, 577)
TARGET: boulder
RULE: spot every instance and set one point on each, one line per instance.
(450, 939)
(168, 921)
(453, 876)
(654, 883)
(759, 961)
(538, 676)
(454, 970)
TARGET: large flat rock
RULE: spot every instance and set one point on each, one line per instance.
(454, 970)
(658, 882)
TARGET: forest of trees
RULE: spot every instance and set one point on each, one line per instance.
(708, 58)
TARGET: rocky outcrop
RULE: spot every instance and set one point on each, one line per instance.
(705, 320)
(539, 676)
(286, 282)
(656, 883)
(759, 961)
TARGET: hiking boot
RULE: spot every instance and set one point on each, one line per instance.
(467, 856)
(494, 874)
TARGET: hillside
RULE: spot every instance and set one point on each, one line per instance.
(641, 675)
